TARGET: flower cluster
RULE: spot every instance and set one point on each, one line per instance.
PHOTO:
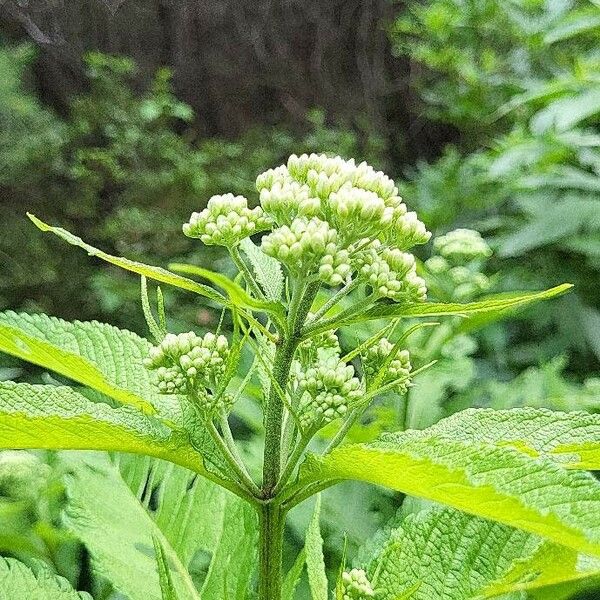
(226, 221)
(333, 217)
(328, 389)
(458, 262)
(192, 365)
(309, 245)
(354, 585)
(462, 246)
(392, 274)
(398, 369)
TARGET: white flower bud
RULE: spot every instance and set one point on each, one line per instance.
(461, 246)
(356, 586)
(190, 364)
(226, 221)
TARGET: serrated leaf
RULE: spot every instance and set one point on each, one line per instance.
(572, 439)
(104, 514)
(315, 562)
(195, 514)
(267, 269)
(34, 582)
(57, 417)
(442, 554)
(492, 304)
(499, 483)
(151, 272)
(292, 578)
(105, 358)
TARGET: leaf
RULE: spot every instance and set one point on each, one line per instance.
(570, 438)
(104, 514)
(292, 577)
(156, 273)
(492, 304)
(195, 514)
(440, 553)
(58, 417)
(164, 572)
(498, 483)
(106, 359)
(238, 295)
(315, 562)
(234, 557)
(267, 269)
(576, 22)
(34, 582)
(564, 113)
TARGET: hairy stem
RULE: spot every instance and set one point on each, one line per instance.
(301, 302)
(244, 479)
(270, 547)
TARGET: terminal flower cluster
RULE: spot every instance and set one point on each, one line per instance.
(333, 218)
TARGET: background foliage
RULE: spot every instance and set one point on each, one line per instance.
(487, 113)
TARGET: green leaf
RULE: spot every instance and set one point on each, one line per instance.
(102, 357)
(34, 582)
(492, 304)
(499, 483)
(195, 514)
(315, 562)
(237, 294)
(119, 534)
(576, 22)
(156, 273)
(167, 587)
(292, 577)
(267, 269)
(58, 417)
(234, 556)
(572, 438)
(440, 553)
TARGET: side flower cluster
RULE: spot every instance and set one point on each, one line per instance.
(398, 369)
(328, 390)
(354, 585)
(460, 256)
(191, 365)
(226, 221)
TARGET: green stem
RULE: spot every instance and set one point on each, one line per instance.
(270, 549)
(293, 461)
(244, 479)
(300, 304)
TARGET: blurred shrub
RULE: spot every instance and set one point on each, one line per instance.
(521, 80)
(126, 168)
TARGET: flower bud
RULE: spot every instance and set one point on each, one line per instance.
(461, 246)
(398, 369)
(354, 585)
(190, 364)
(330, 389)
(226, 221)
